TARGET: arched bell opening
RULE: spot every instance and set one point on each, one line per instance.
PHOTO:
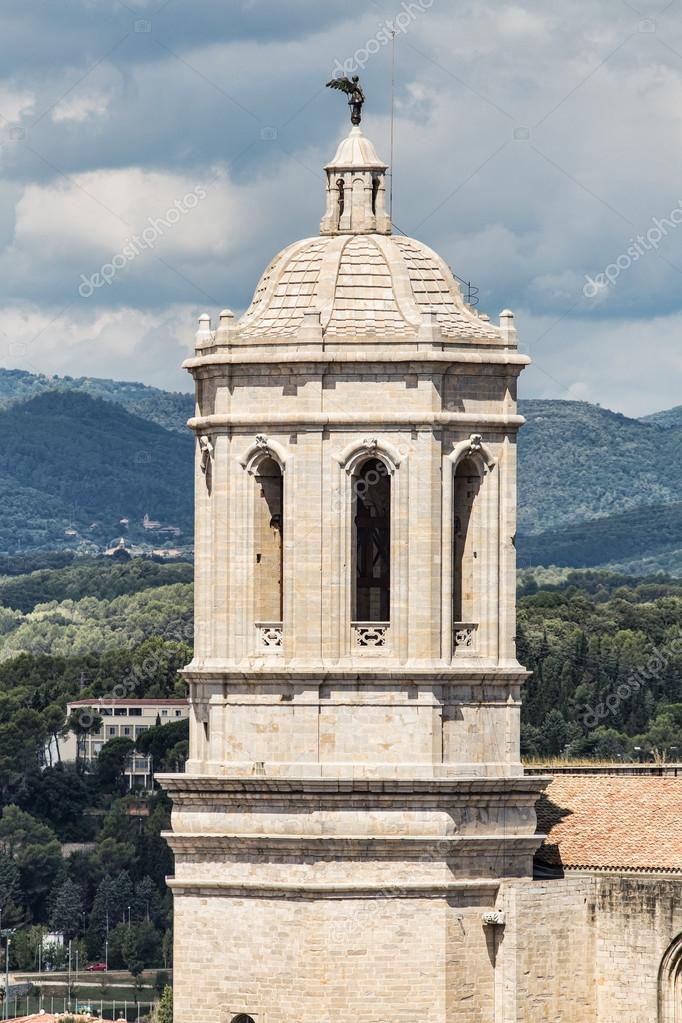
(466, 569)
(269, 552)
(371, 546)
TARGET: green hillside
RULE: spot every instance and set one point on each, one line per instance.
(170, 409)
(643, 532)
(70, 462)
(579, 462)
(671, 417)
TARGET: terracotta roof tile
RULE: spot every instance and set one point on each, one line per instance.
(625, 823)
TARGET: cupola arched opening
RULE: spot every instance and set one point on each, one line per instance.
(268, 536)
(372, 542)
(467, 484)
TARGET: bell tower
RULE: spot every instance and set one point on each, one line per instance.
(354, 819)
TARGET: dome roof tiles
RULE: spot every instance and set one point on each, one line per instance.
(362, 285)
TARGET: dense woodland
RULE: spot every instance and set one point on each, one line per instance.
(107, 630)
(605, 652)
(73, 466)
(606, 656)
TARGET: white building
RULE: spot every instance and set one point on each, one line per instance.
(122, 719)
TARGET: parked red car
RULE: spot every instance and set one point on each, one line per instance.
(96, 967)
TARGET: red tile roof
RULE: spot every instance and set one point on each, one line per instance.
(612, 823)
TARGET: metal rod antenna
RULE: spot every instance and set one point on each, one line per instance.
(390, 192)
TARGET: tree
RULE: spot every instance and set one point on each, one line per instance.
(67, 911)
(158, 741)
(554, 733)
(36, 851)
(26, 946)
(111, 764)
(55, 725)
(141, 947)
(111, 856)
(165, 1009)
(81, 721)
(10, 891)
(101, 917)
(58, 796)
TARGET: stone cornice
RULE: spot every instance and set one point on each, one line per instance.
(331, 891)
(342, 420)
(283, 355)
(446, 790)
(402, 847)
(228, 673)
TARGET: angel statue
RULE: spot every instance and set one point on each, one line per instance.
(356, 97)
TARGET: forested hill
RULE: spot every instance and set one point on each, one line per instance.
(72, 467)
(170, 409)
(578, 462)
(597, 488)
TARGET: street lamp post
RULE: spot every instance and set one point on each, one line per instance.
(7, 978)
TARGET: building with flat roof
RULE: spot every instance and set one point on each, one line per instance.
(122, 719)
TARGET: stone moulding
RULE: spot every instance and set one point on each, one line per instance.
(261, 448)
(474, 675)
(201, 785)
(425, 420)
(280, 354)
(473, 447)
(352, 846)
(370, 447)
(336, 891)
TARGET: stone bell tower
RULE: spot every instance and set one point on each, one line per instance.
(354, 821)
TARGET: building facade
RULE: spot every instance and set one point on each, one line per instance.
(354, 834)
(124, 719)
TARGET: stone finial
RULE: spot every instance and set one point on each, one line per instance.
(227, 327)
(507, 326)
(203, 335)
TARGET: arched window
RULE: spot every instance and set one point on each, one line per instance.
(670, 984)
(372, 542)
(375, 192)
(467, 483)
(341, 191)
(268, 529)
(243, 1018)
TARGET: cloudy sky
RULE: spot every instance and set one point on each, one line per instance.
(535, 144)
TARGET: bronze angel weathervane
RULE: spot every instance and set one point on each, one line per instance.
(356, 97)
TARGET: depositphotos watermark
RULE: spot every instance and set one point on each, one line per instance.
(147, 239)
(656, 663)
(408, 14)
(637, 247)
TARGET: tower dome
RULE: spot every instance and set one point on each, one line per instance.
(357, 283)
